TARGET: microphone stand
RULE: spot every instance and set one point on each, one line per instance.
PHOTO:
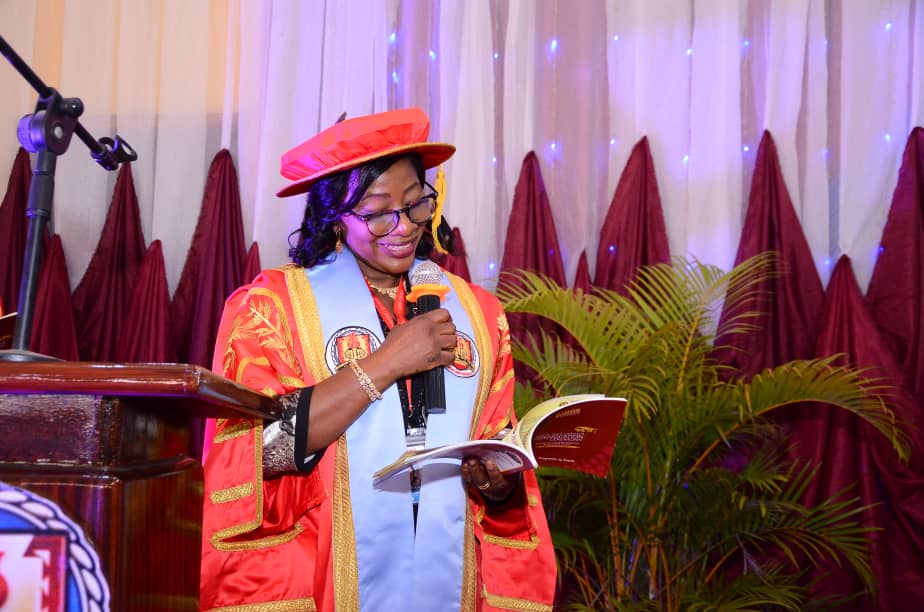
(47, 133)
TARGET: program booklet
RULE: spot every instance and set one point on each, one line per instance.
(576, 432)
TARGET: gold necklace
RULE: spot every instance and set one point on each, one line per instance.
(391, 292)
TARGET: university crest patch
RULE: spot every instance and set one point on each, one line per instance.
(465, 361)
(46, 563)
(349, 343)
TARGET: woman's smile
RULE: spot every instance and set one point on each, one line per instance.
(384, 259)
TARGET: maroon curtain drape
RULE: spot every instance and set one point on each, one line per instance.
(252, 265)
(849, 452)
(531, 244)
(896, 290)
(146, 333)
(456, 261)
(791, 303)
(633, 233)
(13, 230)
(582, 276)
(53, 330)
(101, 300)
(214, 265)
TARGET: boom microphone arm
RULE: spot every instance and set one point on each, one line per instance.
(47, 133)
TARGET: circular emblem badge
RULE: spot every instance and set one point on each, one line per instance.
(45, 557)
(349, 343)
(465, 361)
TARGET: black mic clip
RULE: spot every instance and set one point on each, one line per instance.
(113, 153)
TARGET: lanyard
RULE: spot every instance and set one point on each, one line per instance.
(390, 320)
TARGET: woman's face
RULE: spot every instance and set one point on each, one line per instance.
(384, 258)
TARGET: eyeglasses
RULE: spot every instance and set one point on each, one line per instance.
(384, 222)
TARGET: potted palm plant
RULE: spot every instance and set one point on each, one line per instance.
(701, 507)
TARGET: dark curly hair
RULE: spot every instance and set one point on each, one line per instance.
(330, 197)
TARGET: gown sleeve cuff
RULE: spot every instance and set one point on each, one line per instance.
(285, 440)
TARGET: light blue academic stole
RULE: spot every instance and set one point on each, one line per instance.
(398, 571)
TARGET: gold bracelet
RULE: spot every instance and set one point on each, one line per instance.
(364, 381)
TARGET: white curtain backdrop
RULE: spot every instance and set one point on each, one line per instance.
(838, 84)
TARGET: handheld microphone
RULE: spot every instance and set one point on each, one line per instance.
(427, 292)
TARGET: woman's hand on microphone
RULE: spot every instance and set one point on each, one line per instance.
(425, 342)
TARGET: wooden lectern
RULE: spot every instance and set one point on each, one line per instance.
(109, 444)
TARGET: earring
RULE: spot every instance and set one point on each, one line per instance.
(338, 246)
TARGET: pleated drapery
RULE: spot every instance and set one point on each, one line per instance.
(13, 230)
(53, 329)
(582, 276)
(633, 233)
(531, 244)
(850, 453)
(790, 303)
(896, 302)
(146, 335)
(101, 300)
(251, 264)
(214, 265)
(896, 291)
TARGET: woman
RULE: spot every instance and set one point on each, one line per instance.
(292, 518)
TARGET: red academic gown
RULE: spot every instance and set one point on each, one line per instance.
(287, 543)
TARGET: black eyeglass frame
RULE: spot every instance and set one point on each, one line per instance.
(396, 212)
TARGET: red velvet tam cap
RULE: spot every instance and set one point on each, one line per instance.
(356, 141)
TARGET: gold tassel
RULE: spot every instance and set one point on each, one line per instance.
(438, 213)
(338, 246)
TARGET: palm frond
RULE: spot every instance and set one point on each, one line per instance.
(602, 324)
(700, 480)
(750, 591)
(824, 381)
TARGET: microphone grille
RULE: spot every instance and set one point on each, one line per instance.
(427, 273)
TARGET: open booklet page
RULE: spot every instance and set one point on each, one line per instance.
(574, 432)
(578, 434)
(508, 456)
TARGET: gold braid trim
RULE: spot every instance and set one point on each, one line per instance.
(503, 342)
(511, 543)
(492, 430)
(512, 603)
(346, 568)
(258, 361)
(291, 605)
(291, 381)
(479, 515)
(469, 567)
(218, 537)
(273, 540)
(234, 431)
(223, 496)
(307, 321)
(164, 602)
(483, 344)
(482, 340)
(311, 336)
